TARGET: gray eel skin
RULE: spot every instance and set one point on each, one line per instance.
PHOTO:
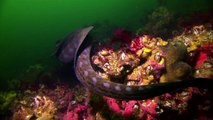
(90, 79)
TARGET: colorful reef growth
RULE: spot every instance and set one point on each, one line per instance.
(139, 60)
(145, 59)
(49, 103)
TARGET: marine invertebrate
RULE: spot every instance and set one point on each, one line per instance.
(205, 70)
(196, 37)
(103, 107)
(134, 109)
(42, 103)
(152, 54)
(42, 108)
(115, 64)
(23, 114)
(203, 53)
(91, 79)
(199, 43)
(79, 112)
(154, 58)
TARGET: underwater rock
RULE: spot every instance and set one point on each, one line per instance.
(122, 36)
(160, 61)
(160, 23)
(133, 109)
(205, 70)
(79, 112)
(203, 53)
(196, 19)
(199, 43)
(196, 37)
(149, 57)
(144, 60)
(115, 63)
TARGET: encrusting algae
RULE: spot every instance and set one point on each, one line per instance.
(143, 61)
(157, 61)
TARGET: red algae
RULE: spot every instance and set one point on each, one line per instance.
(141, 61)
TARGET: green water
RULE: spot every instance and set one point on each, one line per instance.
(30, 28)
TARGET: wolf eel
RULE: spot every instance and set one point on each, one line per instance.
(91, 79)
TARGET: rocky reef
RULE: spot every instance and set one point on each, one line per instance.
(159, 23)
(141, 59)
(149, 60)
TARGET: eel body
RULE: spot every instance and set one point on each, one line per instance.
(91, 79)
(67, 49)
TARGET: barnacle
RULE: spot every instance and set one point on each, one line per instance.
(44, 107)
(196, 37)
